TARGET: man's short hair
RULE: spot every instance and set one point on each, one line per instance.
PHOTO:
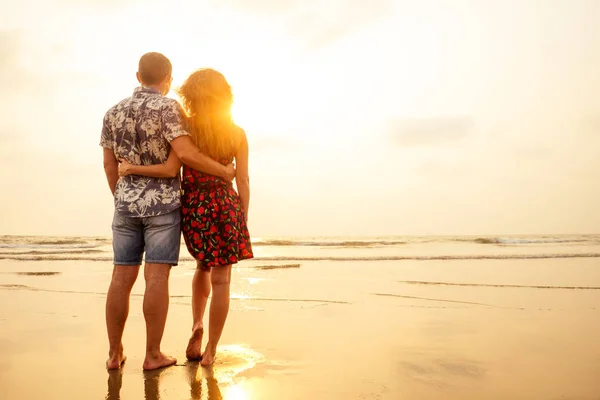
(154, 68)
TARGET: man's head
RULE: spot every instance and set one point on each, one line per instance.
(154, 71)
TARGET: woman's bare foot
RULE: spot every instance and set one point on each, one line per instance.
(194, 348)
(209, 355)
(115, 360)
(159, 360)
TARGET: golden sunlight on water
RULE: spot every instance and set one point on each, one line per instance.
(223, 380)
(236, 392)
(233, 360)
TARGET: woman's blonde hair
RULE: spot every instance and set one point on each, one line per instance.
(207, 99)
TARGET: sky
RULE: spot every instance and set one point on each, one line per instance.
(442, 117)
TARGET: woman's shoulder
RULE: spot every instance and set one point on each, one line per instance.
(239, 134)
(238, 130)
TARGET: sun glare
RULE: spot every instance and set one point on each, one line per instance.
(275, 97)
(261, 109)
(236, 392)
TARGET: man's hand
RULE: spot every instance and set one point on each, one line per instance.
(230, 171)
(124, 168)
(189, 154)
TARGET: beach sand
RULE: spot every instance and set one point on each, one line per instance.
(320, 330)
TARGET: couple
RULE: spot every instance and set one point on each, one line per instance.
(145, 139)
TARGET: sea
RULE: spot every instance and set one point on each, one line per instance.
(341, 249)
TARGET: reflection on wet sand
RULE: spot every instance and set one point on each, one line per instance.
(115, 381)
(232, 361)
(152, 384)
(205, 383)
(195, 376)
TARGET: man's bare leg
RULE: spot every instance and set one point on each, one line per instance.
(117, 310)
(200, 293)
(156, 307)
(219, 308)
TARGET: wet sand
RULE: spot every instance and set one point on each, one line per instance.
(473, 329)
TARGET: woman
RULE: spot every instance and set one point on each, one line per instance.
(214, 215)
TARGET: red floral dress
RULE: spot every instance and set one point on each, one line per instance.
(214, 224)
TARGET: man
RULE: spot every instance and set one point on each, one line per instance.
(142, 129)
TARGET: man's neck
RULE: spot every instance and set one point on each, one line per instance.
(153, 87)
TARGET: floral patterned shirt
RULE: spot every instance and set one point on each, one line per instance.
(139, 130)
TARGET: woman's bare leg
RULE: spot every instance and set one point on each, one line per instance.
(200, 293)
(219, 308)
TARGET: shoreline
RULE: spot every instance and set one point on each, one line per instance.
(303, 333)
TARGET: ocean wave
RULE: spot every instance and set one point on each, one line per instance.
(486, 240)
(48, 246)
(52, 242)
(335, 258)
(26, 243)
(499, 240)
(327, 243)
(51, 252)
(381, 242)
(284, 266)
(385, 242)
(37, 273)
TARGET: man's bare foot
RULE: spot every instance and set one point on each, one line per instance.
(156, 361)
(194, 348)
(209, 355)
(115, 360)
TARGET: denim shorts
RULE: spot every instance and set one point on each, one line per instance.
(159, 237)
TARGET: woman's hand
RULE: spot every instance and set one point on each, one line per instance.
(125, 168)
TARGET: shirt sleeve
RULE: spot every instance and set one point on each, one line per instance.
(173, 121)
(106, 139)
